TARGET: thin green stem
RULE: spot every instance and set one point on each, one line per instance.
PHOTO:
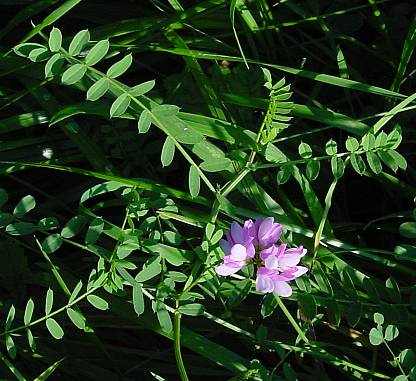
(394, 357)
(291, 320)
(177, 346)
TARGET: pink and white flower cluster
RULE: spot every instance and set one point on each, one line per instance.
(256, 242)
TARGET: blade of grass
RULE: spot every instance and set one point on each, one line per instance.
(324, 78)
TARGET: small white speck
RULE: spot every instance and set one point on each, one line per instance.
(47, 153)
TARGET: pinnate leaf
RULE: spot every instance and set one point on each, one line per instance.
(78, 42)
(120, 67)
(98, 89)
(54, 329)
(55, 40)
(97, 52)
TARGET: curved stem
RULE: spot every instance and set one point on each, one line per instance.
(177, 346)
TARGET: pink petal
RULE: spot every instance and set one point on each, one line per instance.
(250, 251)
(264, 284)
(271, 262)
(288, 260)
(300, 270)
(225, 270)
(265, 227)
(238, 252)
(264, 254)
(282, 289)
(237, 232)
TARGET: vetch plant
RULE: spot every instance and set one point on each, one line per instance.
(255, 243)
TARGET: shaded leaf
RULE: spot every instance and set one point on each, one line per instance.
(52, 243)
(26, 204)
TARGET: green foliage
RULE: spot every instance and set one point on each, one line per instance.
(210, 147)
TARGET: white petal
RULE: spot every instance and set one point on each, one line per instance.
(226, 270)
(238, 252)
(282, 289)
(300, 271)
(271, 262)
(264, 284)
(289, 260)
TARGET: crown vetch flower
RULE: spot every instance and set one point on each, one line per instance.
(280, 267)
(254, 242)
(239, 249)
(266, 232)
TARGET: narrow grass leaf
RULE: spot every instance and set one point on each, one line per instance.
(52, 18)
(47, 372)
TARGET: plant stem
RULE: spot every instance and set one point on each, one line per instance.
(177, 346)
(291, 320)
